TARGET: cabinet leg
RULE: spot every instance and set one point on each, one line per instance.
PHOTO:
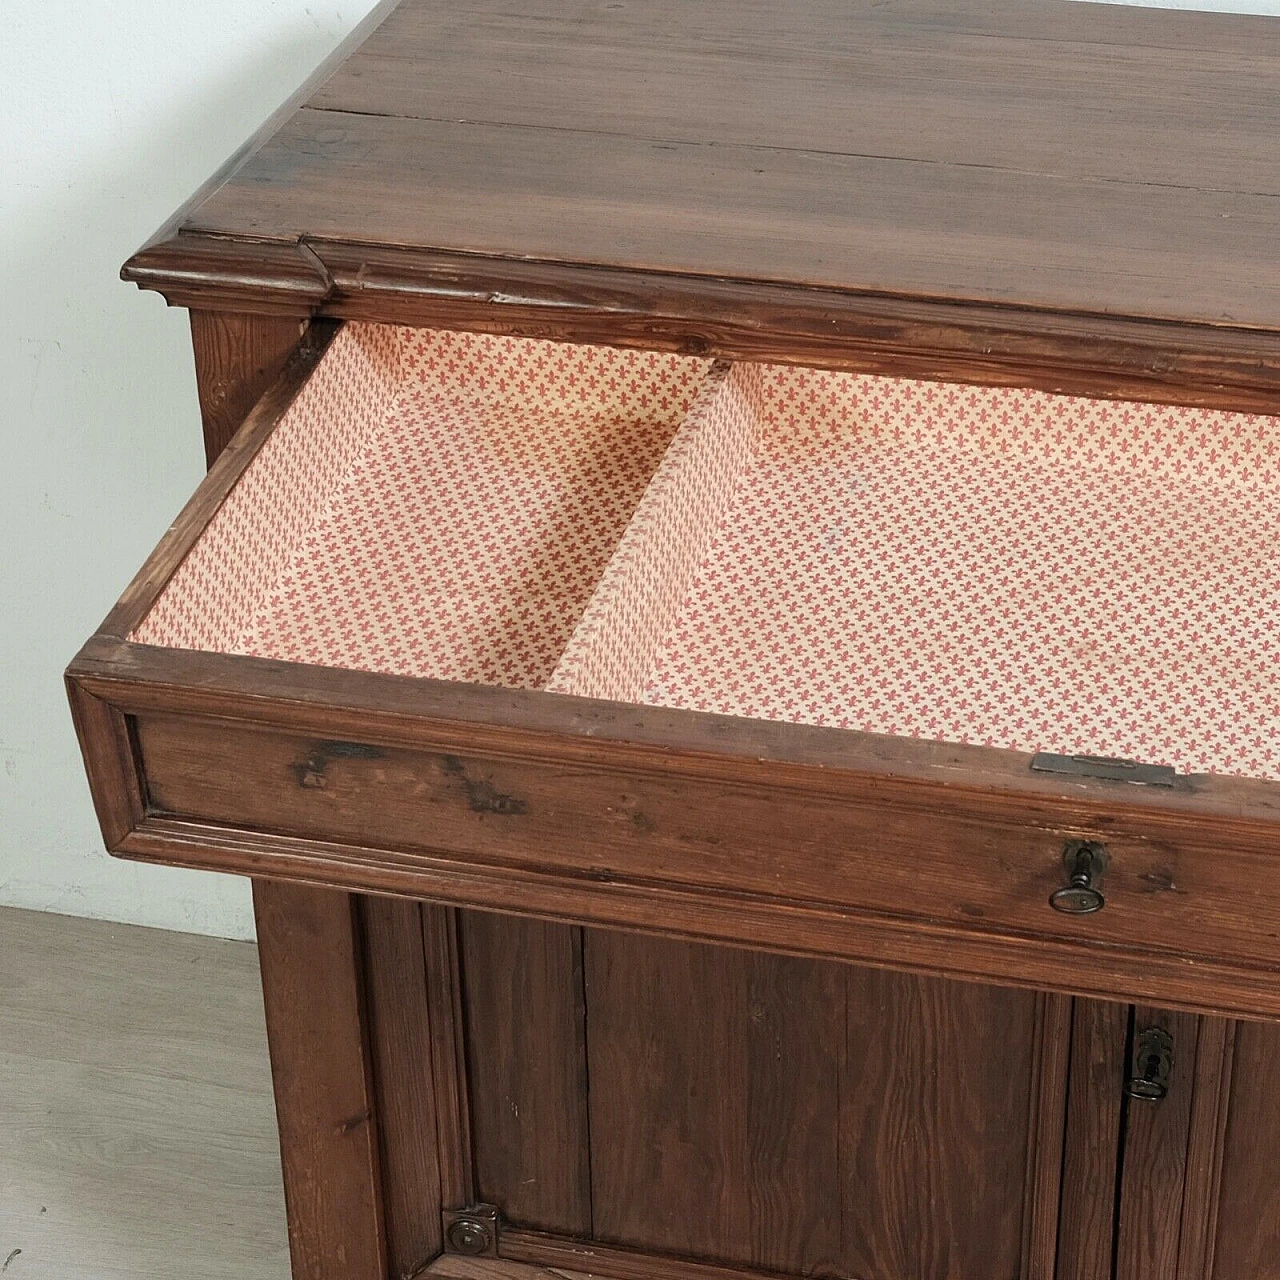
(309, 948)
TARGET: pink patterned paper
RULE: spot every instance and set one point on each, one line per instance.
(640, 593)
(209, 602)
(1001, 567)
(458, 516)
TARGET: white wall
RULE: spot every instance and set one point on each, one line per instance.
(114, 112)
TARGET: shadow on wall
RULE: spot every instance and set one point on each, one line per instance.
(98, 409)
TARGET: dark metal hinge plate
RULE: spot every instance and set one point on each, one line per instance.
(1113, 770)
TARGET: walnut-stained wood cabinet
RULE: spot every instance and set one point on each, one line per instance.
(809, 1117)
(732, 623)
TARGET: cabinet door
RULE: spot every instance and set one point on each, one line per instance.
(1185, 1186)
(657, 1097)
(1154, 1175)
(1245, 1237)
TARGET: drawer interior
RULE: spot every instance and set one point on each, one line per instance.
(432, 504)
(1001, 567)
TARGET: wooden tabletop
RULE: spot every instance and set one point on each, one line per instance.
(1010, 184)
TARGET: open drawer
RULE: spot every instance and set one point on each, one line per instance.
(752, 653)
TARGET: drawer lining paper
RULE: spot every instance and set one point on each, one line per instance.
(1003, 567)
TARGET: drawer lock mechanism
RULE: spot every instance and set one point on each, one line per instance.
(1085, 861)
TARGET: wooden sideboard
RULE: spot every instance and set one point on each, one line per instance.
(512, 329)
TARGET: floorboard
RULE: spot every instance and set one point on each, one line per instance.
(137, 1133)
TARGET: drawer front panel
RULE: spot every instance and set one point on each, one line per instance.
(778, 841)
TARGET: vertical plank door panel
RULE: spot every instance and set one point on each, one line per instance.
(400, 1040)
(1154, 1158)
(1215, 1055)
(1046, 1125)
(1087, 1223)
(526, 1055)
(937, 1118)
(714, 1101)
(1248, 1227)
(448, 1056)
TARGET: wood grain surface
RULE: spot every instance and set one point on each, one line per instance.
(1206, 1150)
(399, 1031)
(237, 358)
(309, 949)
(526, 1051)
(1043, 162)
(619, 1262)
(798, 215)
(1009, 86)
(936, 1110)
(1092, 1155)
(136, 1118)
(1156, 1136)
(1049, 1087)
(1072, 353)
(1247, 1236)
(714, 1102)
(783, 841)
(455, 1149)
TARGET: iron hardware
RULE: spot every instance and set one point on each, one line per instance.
(1152, 1065)
(472, 1231)
(1085, 861)
(1108, 767)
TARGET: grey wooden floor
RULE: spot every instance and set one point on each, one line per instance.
(137, 1136)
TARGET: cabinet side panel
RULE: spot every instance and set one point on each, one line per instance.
(1248, 1235)
(237, 358)
(936, 1120)
(527, 1067)
(714, 1104)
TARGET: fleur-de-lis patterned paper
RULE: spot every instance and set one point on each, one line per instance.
(993, 566)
